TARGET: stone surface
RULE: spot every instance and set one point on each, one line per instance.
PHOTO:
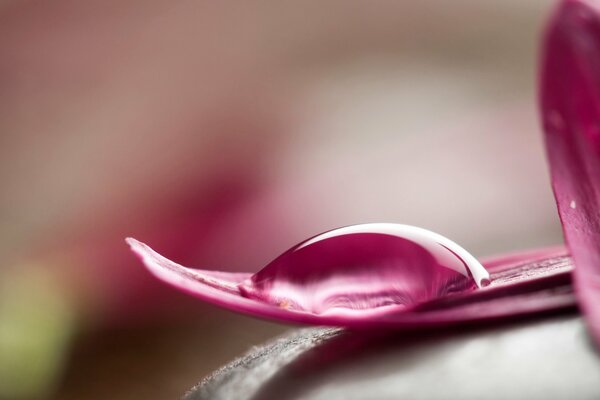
(550, 358)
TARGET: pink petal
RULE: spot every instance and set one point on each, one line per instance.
(570, 107)
(521, 285)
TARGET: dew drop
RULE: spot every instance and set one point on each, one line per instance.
(366, 267)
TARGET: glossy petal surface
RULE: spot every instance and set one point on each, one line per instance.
(570, 107)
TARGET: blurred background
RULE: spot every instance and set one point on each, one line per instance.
(222, 134)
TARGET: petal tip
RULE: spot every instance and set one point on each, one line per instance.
(133, 243)
(137, 247)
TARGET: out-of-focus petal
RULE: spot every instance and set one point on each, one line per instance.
(570, 112)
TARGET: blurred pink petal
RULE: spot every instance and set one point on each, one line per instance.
(570, 106)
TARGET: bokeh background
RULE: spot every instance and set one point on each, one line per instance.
(222, 133)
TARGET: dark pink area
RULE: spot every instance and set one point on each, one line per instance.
(570, 111)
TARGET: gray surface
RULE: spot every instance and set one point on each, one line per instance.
(540, 359)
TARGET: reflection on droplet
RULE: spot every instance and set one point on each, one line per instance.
(366, 267)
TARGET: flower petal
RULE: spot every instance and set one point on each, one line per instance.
(524, 284)
(570, 112)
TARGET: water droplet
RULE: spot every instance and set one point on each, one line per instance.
(573, 204)
(366, 267)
